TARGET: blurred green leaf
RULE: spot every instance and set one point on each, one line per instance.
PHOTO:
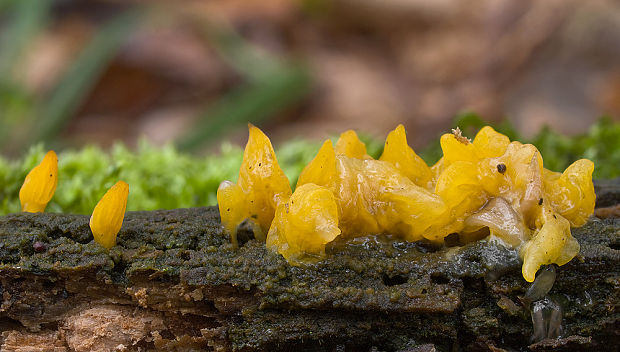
(25, 20)
(248, 60)
(76, 83)
(253, 102)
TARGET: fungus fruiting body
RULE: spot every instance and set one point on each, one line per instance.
(488, 183)
(107, 217)
(261, 186)
(40, 184)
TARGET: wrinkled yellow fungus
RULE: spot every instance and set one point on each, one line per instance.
(480, 186)
(311, 210)
(107, 218)
(552, 243)
(40, 184)
(373, 197)
(261, 186)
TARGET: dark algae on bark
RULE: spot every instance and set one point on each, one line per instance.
(174, 282)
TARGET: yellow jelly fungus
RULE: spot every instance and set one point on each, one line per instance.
(488, 185)
(553, 243)
(572, 192)
(304, 224)
(107, 218)
(350, 145)
(322, 169)
(373, 197)
(40, 184)
(261, 186)
(406, 161)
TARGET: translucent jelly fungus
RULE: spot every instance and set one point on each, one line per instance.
(107, 218)
(485, 185)
(40, 184)
(406, 161)
(261, 186)
(312, 210)
(350, 145)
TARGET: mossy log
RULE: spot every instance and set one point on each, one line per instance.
(174, 282)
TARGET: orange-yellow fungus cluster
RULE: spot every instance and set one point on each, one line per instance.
(488, 183)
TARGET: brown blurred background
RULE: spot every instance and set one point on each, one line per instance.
(194, 72)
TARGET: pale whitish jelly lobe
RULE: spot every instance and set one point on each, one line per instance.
(40, 184)
(107, 218)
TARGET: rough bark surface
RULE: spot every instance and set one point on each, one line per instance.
(173, 282)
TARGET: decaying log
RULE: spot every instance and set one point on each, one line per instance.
(174, 282)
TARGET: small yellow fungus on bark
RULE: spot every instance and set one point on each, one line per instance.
(107, 218)
(40, 184)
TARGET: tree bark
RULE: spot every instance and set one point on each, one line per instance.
(174, 282)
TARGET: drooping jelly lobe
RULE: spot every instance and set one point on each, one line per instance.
(304, 224)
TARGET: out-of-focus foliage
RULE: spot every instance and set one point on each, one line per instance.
(29, 116)
(164, 178)
(268, 84)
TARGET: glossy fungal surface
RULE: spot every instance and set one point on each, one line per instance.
(108, 215)
(40, 184)
(488, 185)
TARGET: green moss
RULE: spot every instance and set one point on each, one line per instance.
(385, 292)
(164, 178)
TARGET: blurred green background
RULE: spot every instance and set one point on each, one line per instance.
(159, 94)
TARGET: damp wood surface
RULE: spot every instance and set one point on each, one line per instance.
(174, 282)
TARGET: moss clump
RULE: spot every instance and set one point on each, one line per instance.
(164, 178)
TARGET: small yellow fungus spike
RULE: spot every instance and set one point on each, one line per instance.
(322, 169)
(350, 145)
(305, 224)
(262, 185)
(107, 218)
(40, 184)
(407, 162)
